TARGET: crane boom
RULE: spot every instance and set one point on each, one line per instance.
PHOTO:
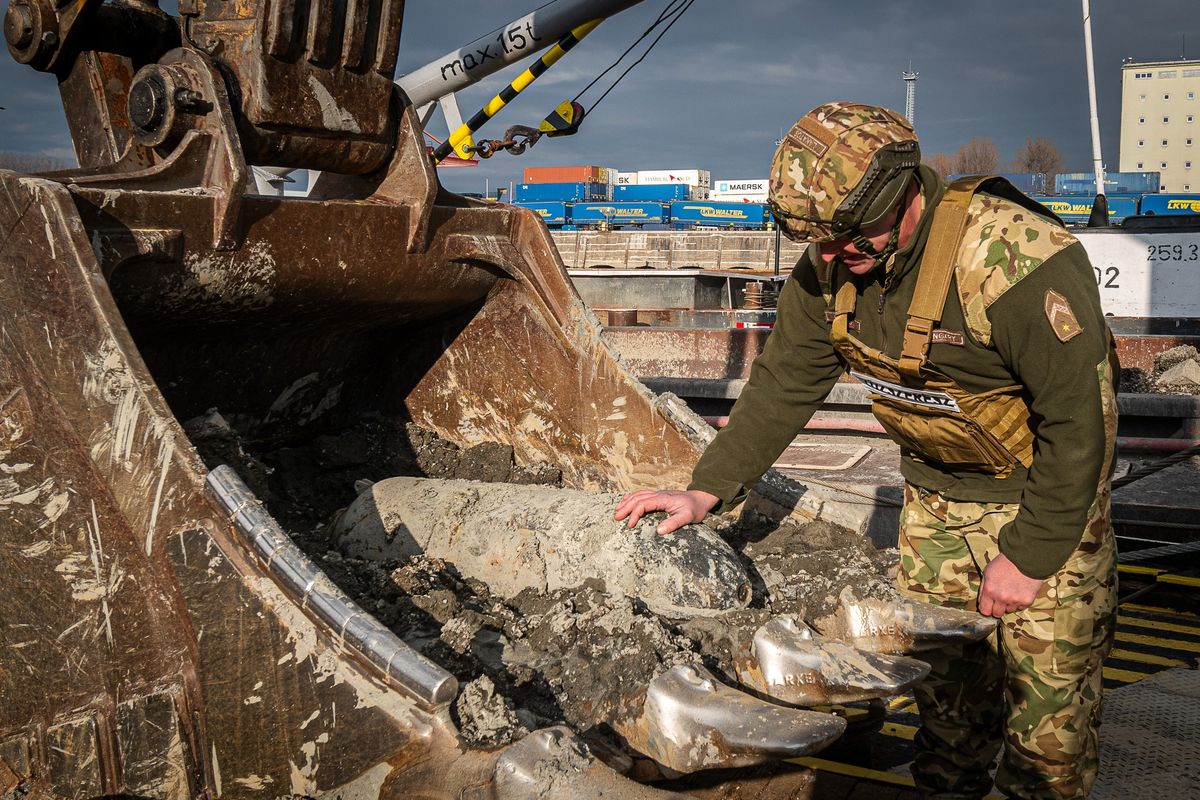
(506, 45)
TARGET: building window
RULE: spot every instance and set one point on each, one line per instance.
(1141, 142)
(1164, 143)
(1167, 73)
(1191, 118)
(1188, 142)
(1162, 165)
(1166, 120)
(1187, 187)
(1141, 120)
(1187, 165)
(1142, 97)
(1191, 73)
(1166, 97)
(1143, 75)
(1140, 165)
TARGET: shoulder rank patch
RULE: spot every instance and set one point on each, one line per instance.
(1062, 318)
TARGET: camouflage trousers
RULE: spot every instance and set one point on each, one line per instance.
(1033, 687)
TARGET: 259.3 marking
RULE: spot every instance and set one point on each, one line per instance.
(1109, 273)
(1173, 252)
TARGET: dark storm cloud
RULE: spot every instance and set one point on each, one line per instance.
(730, 76)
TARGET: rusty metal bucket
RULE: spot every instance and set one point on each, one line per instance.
(163, 638)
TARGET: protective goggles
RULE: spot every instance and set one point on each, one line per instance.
(804, 229)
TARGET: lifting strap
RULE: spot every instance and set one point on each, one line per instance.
(937, 268)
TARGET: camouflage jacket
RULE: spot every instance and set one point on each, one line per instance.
(1008, 336)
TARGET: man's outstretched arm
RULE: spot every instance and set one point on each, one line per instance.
(788, 382)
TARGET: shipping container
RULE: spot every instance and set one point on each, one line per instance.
(1077, 210)
(621, 214)
(741, 187)
(1074, 183)
(660, 193)
(1170, 204)
(627, 179)
(692, 177)
(551, 213)
(721, 215)
(561, 192)
(737, 197)
(583, 174)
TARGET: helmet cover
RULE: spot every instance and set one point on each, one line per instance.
(842, 167)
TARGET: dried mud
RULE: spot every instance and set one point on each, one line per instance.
(579, 655)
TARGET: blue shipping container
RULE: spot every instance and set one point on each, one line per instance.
(1170, 204)
(561, 192)
(1076, 210)
(551, 213)
(1114, 183)
(724, 215)
(653, 193)
(621, 213)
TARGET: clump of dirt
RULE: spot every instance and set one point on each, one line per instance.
(805, 567)
(487, 719)
(571, 655)
(595, 651)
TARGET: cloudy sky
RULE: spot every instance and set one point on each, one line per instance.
(730, 76)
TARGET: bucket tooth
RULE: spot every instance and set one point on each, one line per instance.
(690, 721)
(554, 762)
(902, 625)
(791, 663)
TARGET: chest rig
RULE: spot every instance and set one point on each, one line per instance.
(923, 410)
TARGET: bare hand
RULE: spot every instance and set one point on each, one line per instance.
(1005, 588)
(683, 508)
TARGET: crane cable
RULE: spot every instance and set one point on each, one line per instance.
(518, 137)
(674, 11)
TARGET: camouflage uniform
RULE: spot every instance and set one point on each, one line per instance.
(1020, 467)
(1036, 685)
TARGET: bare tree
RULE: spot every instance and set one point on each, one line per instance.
(977, 157)
(30, 162)
(1039, 155)
(941, 163)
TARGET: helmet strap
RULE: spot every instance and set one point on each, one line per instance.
(864, 244)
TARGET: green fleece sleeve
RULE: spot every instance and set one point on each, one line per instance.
(1062, 377)
(788, 382)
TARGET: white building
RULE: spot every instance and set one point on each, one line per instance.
(1160, 122)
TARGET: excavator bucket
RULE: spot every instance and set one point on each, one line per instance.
(165, 638)
(160, 633)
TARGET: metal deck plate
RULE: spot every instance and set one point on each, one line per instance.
(1148, 742)
(821, 456)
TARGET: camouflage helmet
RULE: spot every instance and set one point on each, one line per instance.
(841, 168)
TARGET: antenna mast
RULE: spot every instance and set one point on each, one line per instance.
(910, 94)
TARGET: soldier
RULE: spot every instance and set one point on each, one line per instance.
(974, 319)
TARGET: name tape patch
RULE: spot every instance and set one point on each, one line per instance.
(853, 324)
(904, 394)
(810, 142)
(941, 336)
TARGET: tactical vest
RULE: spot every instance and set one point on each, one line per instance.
(922, 409)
